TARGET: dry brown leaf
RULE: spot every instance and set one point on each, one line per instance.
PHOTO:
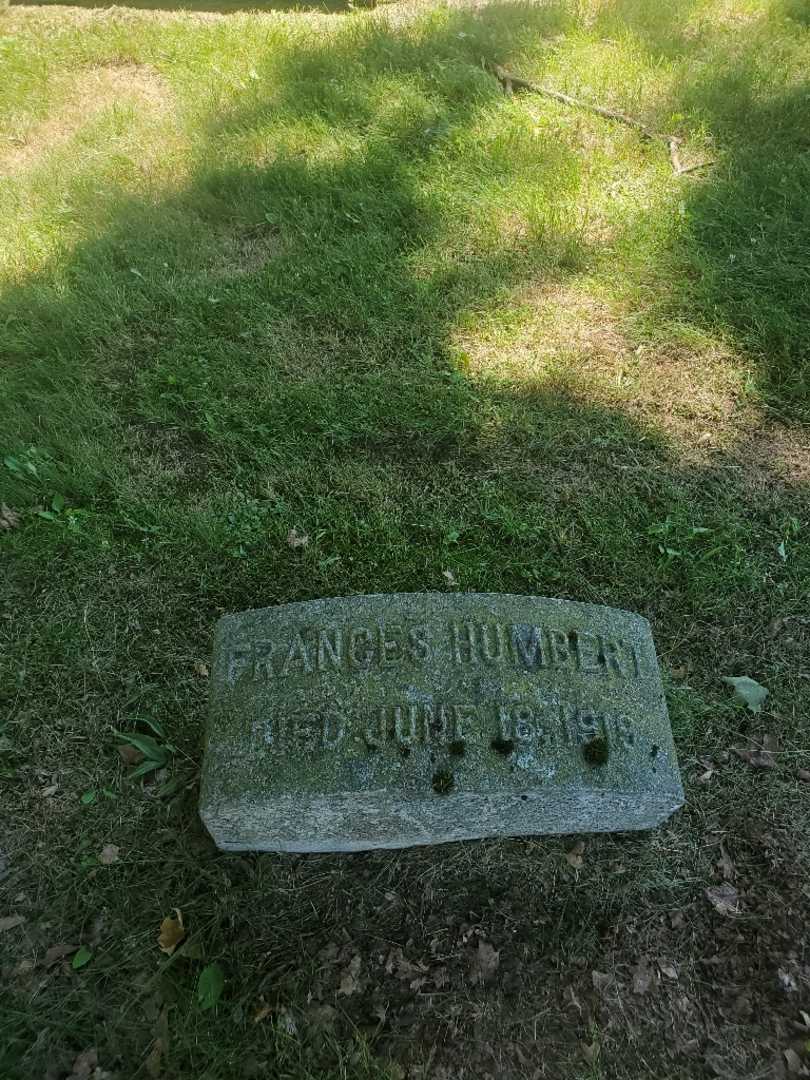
(130, 755)
(58, 952)
(794, 1063)
(724, 899)
(642, 977)
(154, 1061)
(669, 971)
(10, 921)
(172, 932)
(762, 756)
(402, 968)
(349, 979)
(484, 963)
(201, 669)
(9, 519)
(575, 857)
(109, 855)
(296, 539)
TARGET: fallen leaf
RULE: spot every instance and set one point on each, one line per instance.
(724, 899)
(49, 792)
(201, 669)
(262, 1013)
(762, 756)
(642, 977)
(57, 952)
(349, 981)
(748, 690)
(81, 957)
(210, 986)
(296, 539)
(705, 777)
(9, 519)
(10, 921)
(172, 932)
(676, 920)
(484, 963)
(154, 1060)
(402, 968)
(787, 982)
(803, 774)
(794, 1063)
(85, 1064)
(575, 857)
(130, 755)
(669, 971)
(449, 577)
(109, 855)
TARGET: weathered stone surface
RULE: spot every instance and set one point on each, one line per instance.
(416, 718)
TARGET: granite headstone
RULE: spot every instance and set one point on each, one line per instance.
(417, 718)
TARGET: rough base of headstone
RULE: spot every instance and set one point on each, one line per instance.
(419, 718)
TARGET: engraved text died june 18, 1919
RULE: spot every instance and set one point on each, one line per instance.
(383, 721)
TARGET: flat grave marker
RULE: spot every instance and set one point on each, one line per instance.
(416, 718)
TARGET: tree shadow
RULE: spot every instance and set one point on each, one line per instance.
(278, 342)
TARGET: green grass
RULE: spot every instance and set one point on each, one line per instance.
(298, 270)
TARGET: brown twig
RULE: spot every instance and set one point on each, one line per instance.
(512, 83)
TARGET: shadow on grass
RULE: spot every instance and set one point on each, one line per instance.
(276, 345)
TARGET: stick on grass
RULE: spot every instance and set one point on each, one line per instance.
(511, 83)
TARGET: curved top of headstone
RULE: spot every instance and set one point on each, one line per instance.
(392, 719)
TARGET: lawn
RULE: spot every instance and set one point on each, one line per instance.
(297, 302)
